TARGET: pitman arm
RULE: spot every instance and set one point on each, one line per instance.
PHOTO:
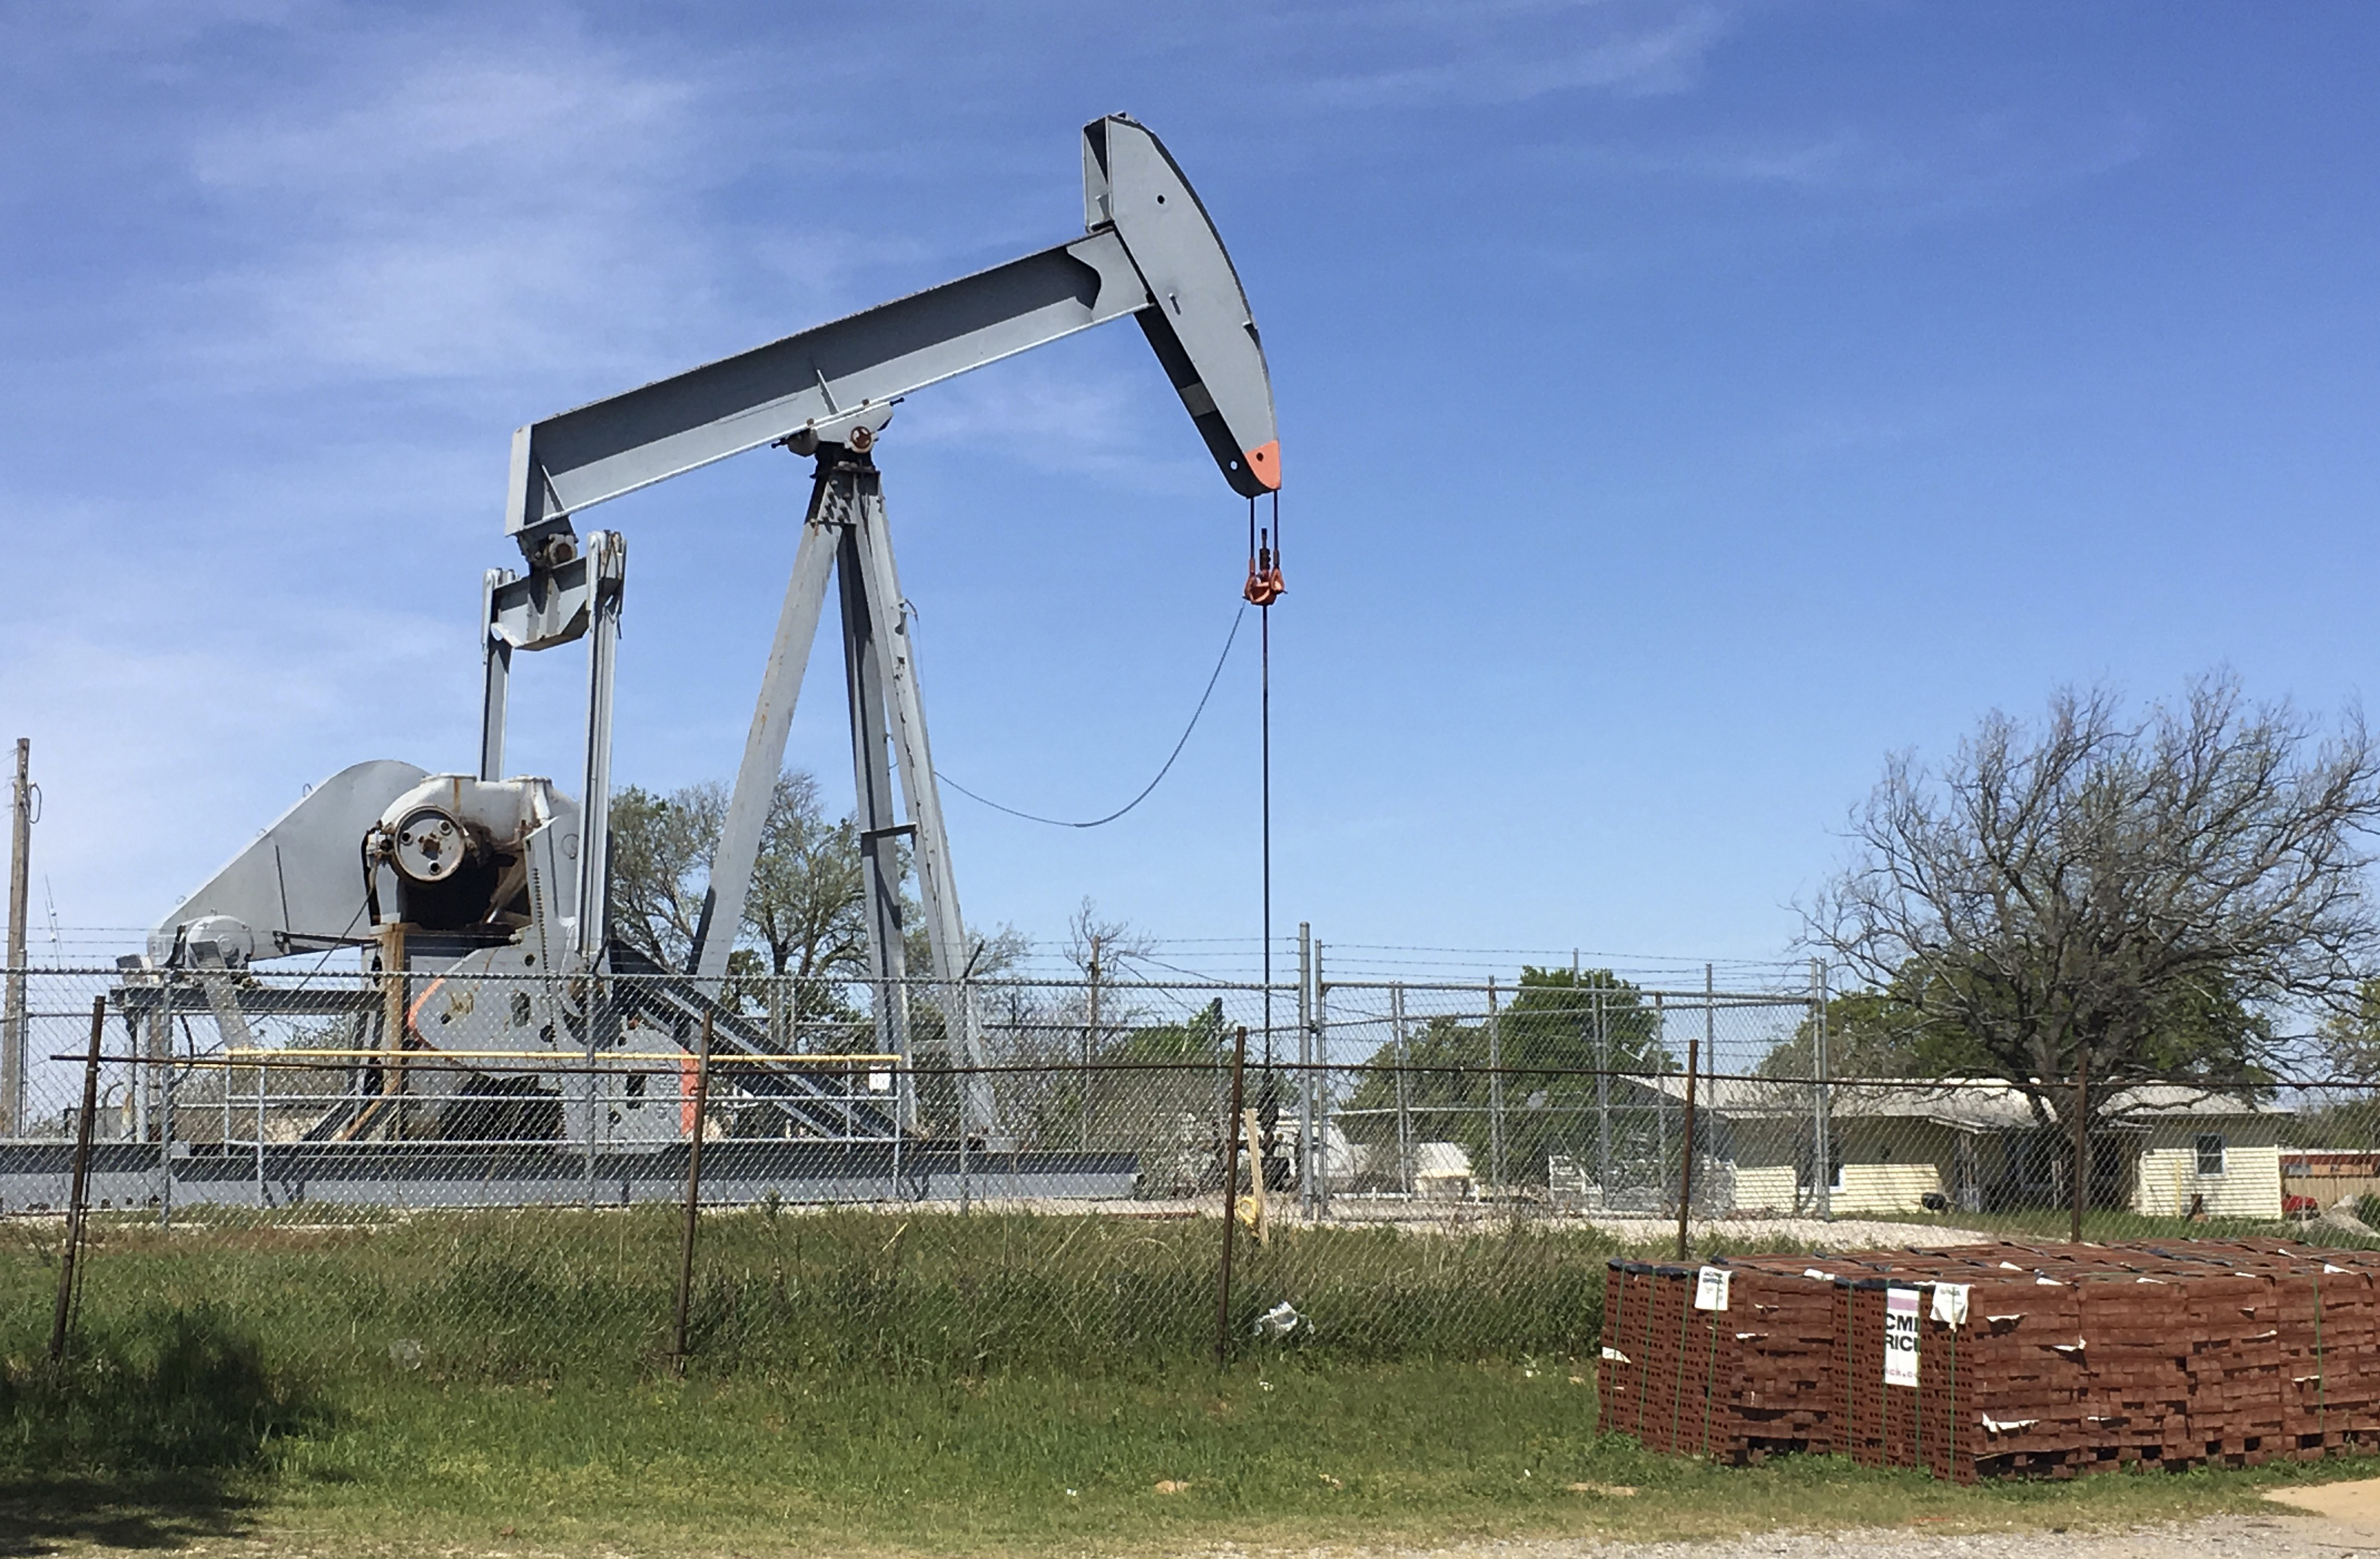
(1150, 252)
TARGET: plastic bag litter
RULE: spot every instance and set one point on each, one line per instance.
(1278, 1322)
(404, 1353)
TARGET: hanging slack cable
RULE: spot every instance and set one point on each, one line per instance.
(1213, 677)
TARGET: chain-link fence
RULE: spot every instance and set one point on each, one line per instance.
(493, 1171)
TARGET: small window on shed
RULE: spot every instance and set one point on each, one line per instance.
(2210, 1154)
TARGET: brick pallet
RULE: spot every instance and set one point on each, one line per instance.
(2067, 1359)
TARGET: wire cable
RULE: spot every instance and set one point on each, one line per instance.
(1269, 551)
(1229, 640)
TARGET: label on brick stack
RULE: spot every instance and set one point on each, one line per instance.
(1901, 1337)
(1710, 1288)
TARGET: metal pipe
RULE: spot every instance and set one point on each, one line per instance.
(1660, 1095)
(1710, 1047)
(2082, 1134)
(1495, 1091)
(1602, 1100)
(14, 1026)
(1090, 1039)
(1404, 1116)
(1823, 1122)
(261, 1199)
(1686, 1149)
(1306, 1068)
(1322, 1066)
(165, 1137)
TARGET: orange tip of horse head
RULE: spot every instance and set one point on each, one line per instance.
(1265, 463)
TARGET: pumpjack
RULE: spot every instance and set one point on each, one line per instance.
(481, 898)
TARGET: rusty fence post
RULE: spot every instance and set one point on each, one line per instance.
(78, 1193)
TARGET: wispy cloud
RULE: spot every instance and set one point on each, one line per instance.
(1960, 164)
(1071, 417)
(1522, 50)
(459, 218)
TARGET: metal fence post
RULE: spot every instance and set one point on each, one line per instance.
(1710, 1054)
(260, 1132)
(1822, 1173)
(1404, 1118)
(1686, 1146)
(595, 1102)
(1322, 1084)
(967, 1187)
(1495, 1090)
(1660, 1099)
(1306, 1068)
(1602, 1105)
(1092, 1038)
(165, 1136)
(136, 1089)
(2081, 1135)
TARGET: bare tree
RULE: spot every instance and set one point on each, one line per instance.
(1101, 949)
(2139, 897)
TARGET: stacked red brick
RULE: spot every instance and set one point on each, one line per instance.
(1740, 1383)
(2070, 1357)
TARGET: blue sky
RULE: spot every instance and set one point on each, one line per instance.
(1682, 405)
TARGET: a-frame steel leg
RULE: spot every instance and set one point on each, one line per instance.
(773, 721)
(945, 931)
(879, 821)
(845, 533)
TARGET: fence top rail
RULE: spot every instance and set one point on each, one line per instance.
(1669, 1084)
(1694, 998)
(251, 1054)
(149, 977)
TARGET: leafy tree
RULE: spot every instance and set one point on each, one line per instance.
(1869, 1034)
(1561, 1028)
(2350, 1038)
(2139, 896)
(803, 915)
(661, 864)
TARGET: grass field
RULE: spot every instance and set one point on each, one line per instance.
(870, 1384)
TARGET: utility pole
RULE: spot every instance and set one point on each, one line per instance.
(20, 878)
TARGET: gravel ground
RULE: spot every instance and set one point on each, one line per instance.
(2279, 1536)
(1796, 1234)
(1460, 1217)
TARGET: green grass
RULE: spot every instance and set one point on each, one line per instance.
(566, 1295)
(1285, 1456)
(867, 1383)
